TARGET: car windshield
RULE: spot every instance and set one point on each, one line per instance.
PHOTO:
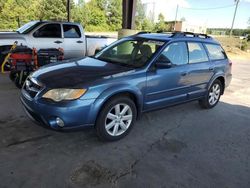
(28, 27)
(131, 53)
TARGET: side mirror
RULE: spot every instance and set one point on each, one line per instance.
(100, 49)
(97, 51)
(163, 64)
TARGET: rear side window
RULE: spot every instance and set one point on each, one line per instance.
(176, 53)
(48, 31)
(196, 52)
(71, 31)
(215, 52)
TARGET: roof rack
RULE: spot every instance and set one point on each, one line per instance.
(178, 34)
(190, 34)
(142, 32)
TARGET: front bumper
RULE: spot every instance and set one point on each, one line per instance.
(75, 114)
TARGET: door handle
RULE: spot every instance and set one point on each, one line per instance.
(211, 68)
(58, 42)
(184, 73)
(79, 41)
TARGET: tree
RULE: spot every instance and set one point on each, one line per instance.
(161, 25)
(96, 16)
(16, 12)
(52, 10)
(79, 14)
(140, 15)
(114, 14)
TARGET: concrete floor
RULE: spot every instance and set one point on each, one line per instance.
(181, 146)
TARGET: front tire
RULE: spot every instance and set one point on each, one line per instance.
(116, 119)
(213, 95)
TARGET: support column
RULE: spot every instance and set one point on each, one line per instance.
(128, 18)
(68, 10)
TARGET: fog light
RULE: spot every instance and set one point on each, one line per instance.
(59, 122)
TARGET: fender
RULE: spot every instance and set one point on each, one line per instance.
(221, 74)
(116, 89)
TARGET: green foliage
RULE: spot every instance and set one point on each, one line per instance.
(140, 15)
(141, 21)
(147, 25)
(161, 25)
(244, 45)
(94, 15)
(114, 14)
(226, 31)
(99, 15)
(52, 10)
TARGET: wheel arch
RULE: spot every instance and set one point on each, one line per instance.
(135, 96)
(221, 78)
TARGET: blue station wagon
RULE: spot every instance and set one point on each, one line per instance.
(136, 74)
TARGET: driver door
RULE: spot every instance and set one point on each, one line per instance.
(168, 85)
(47, 36)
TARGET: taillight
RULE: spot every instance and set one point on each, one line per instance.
(230, 63)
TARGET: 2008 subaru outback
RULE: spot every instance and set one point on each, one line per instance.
(133, 75)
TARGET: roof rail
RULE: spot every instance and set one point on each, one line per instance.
(190, 34)
(179, 34)
(142, 32)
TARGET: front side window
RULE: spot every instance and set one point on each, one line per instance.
(176, 53)
(71, 31)
(215, 52)
(196, 52)
(49, 31)
(133, 53)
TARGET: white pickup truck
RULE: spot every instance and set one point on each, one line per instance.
(49, 34)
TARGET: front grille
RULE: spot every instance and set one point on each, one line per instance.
(32, 87)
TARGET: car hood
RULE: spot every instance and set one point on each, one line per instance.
(76, 73)
(10, 35)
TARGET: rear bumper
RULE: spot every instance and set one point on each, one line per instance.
(228, 79)
(75, 114)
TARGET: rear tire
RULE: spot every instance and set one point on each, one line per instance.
(213, 95)
(116, 118)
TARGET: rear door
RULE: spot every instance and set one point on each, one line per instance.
(46, 36)
(74, 41)
(200, 71)
(167, 86)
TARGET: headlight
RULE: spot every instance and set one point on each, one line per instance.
(64, 94)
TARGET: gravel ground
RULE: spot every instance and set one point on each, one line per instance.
(181, 146)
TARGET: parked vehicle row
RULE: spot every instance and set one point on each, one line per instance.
(134, 75)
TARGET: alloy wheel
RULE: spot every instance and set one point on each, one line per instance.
(214, 94)
(118, 119)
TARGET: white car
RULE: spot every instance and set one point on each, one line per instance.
(49, 34)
